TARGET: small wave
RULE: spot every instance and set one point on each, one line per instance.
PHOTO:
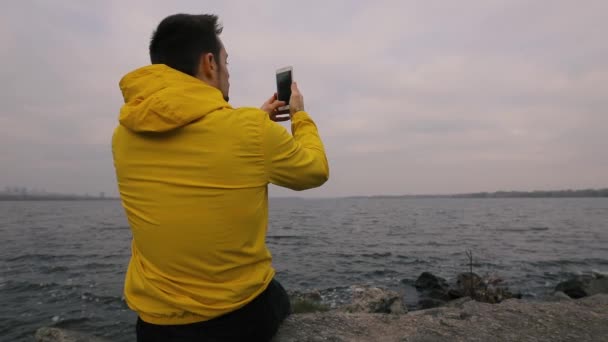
(280, 237)
(603, 262)
(404, 260)
(384, 272)
(112, 227)
(305, 217)
(377, 255)
(95, 265)
(35, 256)
(16, 286)
(521, 230)
(8, 326)
(341, 255)
(434, 244)
(116, 256)
(71, 322)
(91, 297)
(53, 269)
(567, 262)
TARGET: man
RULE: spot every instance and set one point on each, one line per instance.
(193, 174)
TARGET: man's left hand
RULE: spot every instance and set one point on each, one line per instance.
(272, 105)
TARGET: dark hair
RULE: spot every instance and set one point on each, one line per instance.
(180, 39)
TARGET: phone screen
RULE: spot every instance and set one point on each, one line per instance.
(284, 86)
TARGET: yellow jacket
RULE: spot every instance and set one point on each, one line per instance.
(192, 173)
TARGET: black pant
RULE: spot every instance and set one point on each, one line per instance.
(257, 321)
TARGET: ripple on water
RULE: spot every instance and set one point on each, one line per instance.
(45, 257)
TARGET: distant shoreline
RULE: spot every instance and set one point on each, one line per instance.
(587, 193)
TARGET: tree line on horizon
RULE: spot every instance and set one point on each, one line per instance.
(23, 193)
(584, 193)
(536, 194)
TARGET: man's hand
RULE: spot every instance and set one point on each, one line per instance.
(296, 101)
(272, 105)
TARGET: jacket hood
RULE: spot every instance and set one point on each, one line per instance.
(159, 98)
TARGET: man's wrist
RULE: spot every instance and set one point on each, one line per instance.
(295, 110)
(298, 114)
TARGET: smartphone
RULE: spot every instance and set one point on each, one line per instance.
(284, 80)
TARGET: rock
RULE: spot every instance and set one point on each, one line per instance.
(428, 281)
(433, 290)
(455, 294)
(305, 302)
(598, 285)
(584, 285)
(457, 303)
(440, 294)
(581, 320)
(557, 296)
(575, 287)
(313, 296)
(397, 307)
(374, 300)
(427, 303)
(50, 334)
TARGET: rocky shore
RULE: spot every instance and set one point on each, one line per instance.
(467, 320)
(473, 309)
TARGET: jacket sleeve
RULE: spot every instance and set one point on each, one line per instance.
(296, 162)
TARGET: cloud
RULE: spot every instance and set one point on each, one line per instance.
(409, 97)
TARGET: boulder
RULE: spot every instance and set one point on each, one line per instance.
(433, 290)
(369, 299)
(584, 285)
(428, 281)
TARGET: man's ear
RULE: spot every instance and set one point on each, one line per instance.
(207, 65)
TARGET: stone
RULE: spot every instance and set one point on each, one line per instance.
(429, 281)
(455, 294)
(427, 303)
(433, 290)
(559, 295)
(598, 285)
(584, 285)
(369, 299)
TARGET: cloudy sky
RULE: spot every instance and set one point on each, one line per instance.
(410, 97)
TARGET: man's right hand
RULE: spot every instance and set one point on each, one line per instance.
(296, 101)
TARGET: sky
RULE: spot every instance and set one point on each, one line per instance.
(410, 97)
